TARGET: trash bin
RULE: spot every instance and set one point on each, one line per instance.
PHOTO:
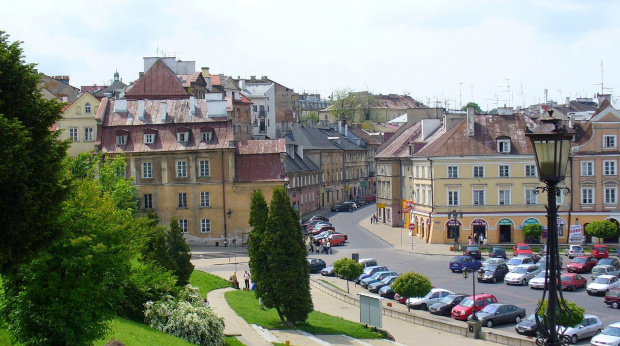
(355, 257)
(217, 243)
(474, 329)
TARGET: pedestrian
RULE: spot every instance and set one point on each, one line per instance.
(329, 247)
(311, 247)
(317, 244)
(371, 219)
(206, 302)
(246, 277)
(476, 238)
(481, 239)
(321, 246)
(469, 240)
(234, 281)
(485, 241)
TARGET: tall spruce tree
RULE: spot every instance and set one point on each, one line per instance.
(259, 211)
(285, 280)
(33, 178)
(179, 252)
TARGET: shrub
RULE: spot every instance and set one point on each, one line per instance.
(186, 317)
(563, 317)
(412, 285)
(348, 268)
(604, 229)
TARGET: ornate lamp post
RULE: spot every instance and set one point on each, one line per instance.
(476, 274)
(454, 215)
(551, 141)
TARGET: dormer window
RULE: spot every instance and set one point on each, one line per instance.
(149, 136)
(503, 146)
(206, 134)
(121, 137)
(183, 134)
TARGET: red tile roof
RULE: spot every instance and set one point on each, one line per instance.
(177, 110)
(188, 79)
(159, 82)
(260, 160)
(271, 146)
(215, 79)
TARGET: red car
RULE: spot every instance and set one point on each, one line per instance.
(400, 299)
(572, 281)
(600, 251)
(370, 199)
(581, 264)
(465, 308)
(337, 239)
(521, 249)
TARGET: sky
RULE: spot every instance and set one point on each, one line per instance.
(440, 52)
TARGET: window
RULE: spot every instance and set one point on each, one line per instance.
(610, 195)
(587, 168)
(453, 197)
(205, 226)
(183, 225)
(73, 134)
(609, 167)
(478, 171)
(147, 170)
(183, 137)
(504, 171)
(121, 139)
(149, 138)
(89, 134)
(148, 201)
(530, 170)
(609, 142)
(587, 195)
(530, 196)
(78, 110)
(205, 199)
(181, 169)
(203, 166)
(206, 136)
(182, 200)
(503, 145)
(504, 197)
(87, 108)
(453, 171)
(478, 197)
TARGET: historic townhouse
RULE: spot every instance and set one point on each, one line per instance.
(355, 164)
(78, 124)
(238, 106)
(303, 179)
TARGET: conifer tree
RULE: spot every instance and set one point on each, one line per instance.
(259, 212)
(179, 252)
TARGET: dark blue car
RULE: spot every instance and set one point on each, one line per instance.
(459, 263)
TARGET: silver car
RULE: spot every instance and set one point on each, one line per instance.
(517, 261)
(602, 284)
(574, 251)
(591, 326)
(539, 281)
(604, 270)
(520, 275)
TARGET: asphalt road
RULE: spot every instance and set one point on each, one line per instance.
(435, 267)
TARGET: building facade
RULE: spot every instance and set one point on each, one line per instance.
(78, 124)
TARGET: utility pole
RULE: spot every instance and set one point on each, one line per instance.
(461, 95)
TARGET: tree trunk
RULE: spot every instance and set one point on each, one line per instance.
(348, 286)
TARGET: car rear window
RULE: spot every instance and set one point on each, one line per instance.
(456, 260)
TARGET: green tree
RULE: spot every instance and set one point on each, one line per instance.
(477, 108)
(563, 319)
(259, 211)
(367, 102)
(412, 285)
(348, 268)
(179, 252)
(33, 178)
(284, 283)
(532, 231)
(344, 104)
(312, 116)
(112, 180)
(603, 229)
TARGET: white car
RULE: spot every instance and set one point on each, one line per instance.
(517, 261)
(589, 327)
(574, 251)
(434, 296)
(538, 281)
(604, 270)
(602, 284)
(494, 261)
(353, 204)
(610, 336)
(520, 275)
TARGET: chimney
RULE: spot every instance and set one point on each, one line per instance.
(339, 127)
(140, 75)
(603, 97)
(205, 72)
(241, 83)
(346, 130)
(253, 78)
(470, 122)
(567, 101)
(300, 151)
(162, 110)
(192, 104)
(264, 78)
(120, 106)
(141, 109)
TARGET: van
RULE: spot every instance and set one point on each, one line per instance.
(368, 262)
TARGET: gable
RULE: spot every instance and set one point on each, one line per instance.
(159, 82)
(607, 116)
(71, 111)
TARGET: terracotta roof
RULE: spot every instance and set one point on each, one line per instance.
(159, 82)
(215, 79)
(583, 133)
(188, 79)
(603, 106)
(267, 146)
(244, 100)
(177, 111)
(259, 160)
(399, 145)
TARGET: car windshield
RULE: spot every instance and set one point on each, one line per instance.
(598, 270)
(386, 280)
(612, 331)
(531, 318)
(523, 247)
(566, 278)
(579, 260)
(514, 261)
(608, 260)
(541, 275)
(600, 280)
(447, 300)
(467, 302)
(498, 249)
(519, 270)
(472, 248)
(367, 270)
(490, 267)
(490, 309)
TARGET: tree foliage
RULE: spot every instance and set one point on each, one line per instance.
(348, 268)
(412, 285)
(603, 229)
(281, 273)
(532, 230)
(344, 104)
(477, 109)
(179, 252)
(113, 182)
(312, 117)
(33, 178)
(563, 319)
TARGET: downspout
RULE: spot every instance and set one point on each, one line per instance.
(401, 192)
(321, 202)
(224, 201)
(430, 227)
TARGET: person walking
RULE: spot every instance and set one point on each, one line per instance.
(469, 240)
(246, 277)
(311, 250)
(234, 281)
(329, 247)
(481, 239)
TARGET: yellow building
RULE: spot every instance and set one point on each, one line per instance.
(79, 125)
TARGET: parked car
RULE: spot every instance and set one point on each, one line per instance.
(521, 249)
(602, 284)
(572, 281)
(494, 261)
(612, 298)
(400, 299)
(368, 271)
(432, 297)
(316, 264)
(367, 262)
(609, 336)
(517, 261)
(543, 263)
(539, 281)
(528, 326)
(322, 235)
(609, 261)
(604, 270)
(342, 207)
(322, 228)
(520, 275)
(459, 263)
(352, 204)
(378, 276)
(581, 264)
(445, 305)
(600, 251)
(463, 311)
(387, 292)
(376, 286)
(336, 239)
(318, 217)
(474, 252)
(589, 327)
(494, 314)
(574, 251)
(494, 272)
(360, 202)
(328, 271)
(370, 199)
(497, 252)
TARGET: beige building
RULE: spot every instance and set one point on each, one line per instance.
(78, 124)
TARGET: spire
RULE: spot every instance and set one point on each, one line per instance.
(116, 76)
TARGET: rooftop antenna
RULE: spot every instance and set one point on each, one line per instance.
(522, 97)
(602, 84)
(507, 90)
(461, 95)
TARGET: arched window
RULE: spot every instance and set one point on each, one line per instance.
(87, 108)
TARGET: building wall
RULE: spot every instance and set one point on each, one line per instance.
(76, 117)
(388, 191)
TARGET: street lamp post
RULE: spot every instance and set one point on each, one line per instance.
(476, 275)
(551, 141)
(454, 215)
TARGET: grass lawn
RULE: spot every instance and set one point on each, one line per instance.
(331, 284)
(246, 305)
(207, 282)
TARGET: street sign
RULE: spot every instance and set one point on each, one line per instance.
(412, 226)
(380, 205)
(405, 210)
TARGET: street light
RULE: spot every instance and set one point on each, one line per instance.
(551, 141)
(479, 275)
(454, 215)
